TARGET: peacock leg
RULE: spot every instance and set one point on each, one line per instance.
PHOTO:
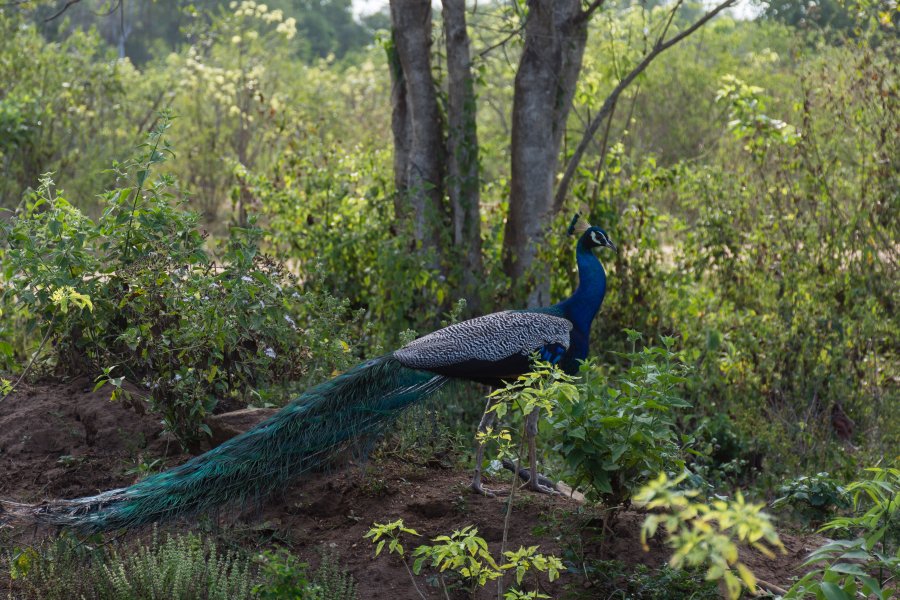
(531, 428)
(487, 421)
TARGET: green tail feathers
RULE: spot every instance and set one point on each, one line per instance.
(347, 412)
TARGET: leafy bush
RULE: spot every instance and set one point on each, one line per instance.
(723, 454)
(616, 579)
(284, 577)
(704, 534)
(164, 315)
(621, 428)
(783, 298)
(813, 498)
(65, 107)
(867, 565)
(178, 567)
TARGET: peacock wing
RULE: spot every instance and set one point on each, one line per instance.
(489, 348)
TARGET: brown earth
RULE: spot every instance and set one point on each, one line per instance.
(62, 440)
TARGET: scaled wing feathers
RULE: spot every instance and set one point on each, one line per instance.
(489, 338)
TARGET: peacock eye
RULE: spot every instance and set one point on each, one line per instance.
(594, 238)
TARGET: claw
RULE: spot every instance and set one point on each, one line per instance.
(476, 487)
(539, 488)
(542, 485)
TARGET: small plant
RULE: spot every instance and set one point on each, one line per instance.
(465, 554)
(143, 468)
(813, 498)
(182, 567)
(392, 533)
(528, 559)
(540, 389)
(335, 582)
(866, 565)
(707, 534)
(462, 552)
(284, 576)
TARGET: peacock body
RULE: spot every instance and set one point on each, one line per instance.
(348, 412)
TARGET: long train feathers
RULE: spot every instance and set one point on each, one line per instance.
(345, 413)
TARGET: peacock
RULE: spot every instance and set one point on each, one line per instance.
(350, 411)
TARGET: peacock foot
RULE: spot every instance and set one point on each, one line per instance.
(476, 487)
(540, 488)
(540, 484)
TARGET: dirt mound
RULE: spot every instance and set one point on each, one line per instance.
(62, 440)
(334, 512)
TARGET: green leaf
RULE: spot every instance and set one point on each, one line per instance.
(578, 433)
(871, 586)
(847, 568)
(833, 592)
(855, 554)
(875, 537)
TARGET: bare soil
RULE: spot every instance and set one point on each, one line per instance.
(61, 440)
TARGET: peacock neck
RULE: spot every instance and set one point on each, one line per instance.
(582, 306)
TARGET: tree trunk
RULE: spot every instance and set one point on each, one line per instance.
(400, 128)
(124, 28)
(555, 37)
(423, 174)
(462, 151)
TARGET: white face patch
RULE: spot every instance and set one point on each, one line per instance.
(594, 237)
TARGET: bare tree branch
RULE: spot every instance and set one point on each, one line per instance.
(665, 30)
(111, 11)
(503, 42)
(610, 101)
(62, 10)
(586, 13)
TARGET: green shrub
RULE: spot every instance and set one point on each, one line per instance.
(66, 107)
(813, 498)
(464, 558)
(707, 534)
(178, 567)
(781, 283)
(616, 579)
(284, 577)
(868, 564)
(723, 454)
(191, 332)
(182, 567)
(621, 428)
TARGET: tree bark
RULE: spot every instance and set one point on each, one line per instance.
(423, 173)
(462, 150)
(400, 128)
(555, 38)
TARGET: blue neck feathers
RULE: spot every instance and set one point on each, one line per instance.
(582, 306)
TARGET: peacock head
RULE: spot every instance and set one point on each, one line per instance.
(591, 236)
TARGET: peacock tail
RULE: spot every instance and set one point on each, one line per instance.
(345, 413)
